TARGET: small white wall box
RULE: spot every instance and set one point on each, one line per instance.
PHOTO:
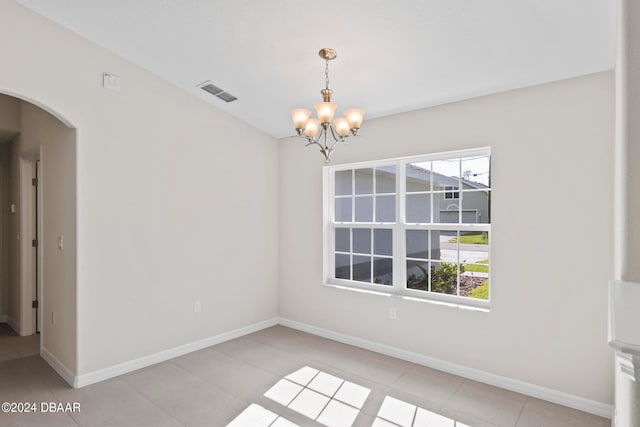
(111, 81)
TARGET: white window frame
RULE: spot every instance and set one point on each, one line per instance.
(399, 228)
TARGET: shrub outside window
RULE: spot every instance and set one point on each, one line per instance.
(417, 226)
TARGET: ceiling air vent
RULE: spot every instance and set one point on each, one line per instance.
(215, 90)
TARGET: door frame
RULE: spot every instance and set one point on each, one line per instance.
(30, 260)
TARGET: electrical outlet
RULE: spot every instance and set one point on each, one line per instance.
(393, 314)
(53, 317)
(196, 307)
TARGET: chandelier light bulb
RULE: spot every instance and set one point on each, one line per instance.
(325, 111)
(354, 116)
(342, 126)
(300, 116)
(311, 128)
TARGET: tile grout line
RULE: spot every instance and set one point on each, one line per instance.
(342, 371)
(121, 378)
(453, 394)
(206, 381)
(330, 397)
(521, 411)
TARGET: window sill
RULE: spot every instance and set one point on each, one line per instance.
(481, 306)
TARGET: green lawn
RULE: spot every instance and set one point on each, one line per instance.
(481, 292)
(472, 239)
(478, 268)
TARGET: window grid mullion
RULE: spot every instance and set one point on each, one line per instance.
(429, 278)
(458, 259)
(431, 202)
(353, 195)
(399, 237)
(460, 201)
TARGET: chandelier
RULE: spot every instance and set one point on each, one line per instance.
(322, 131)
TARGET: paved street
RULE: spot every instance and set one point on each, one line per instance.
(468, 253)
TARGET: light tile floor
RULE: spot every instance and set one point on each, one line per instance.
(278, 377)
(13, 346)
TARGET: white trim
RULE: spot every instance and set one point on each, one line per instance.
(161, 356)
(629, 365)
(481, 151)
(58, 366)
(27, 256)
(587, 405)
(3, 318)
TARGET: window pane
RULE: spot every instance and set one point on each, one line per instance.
(449, 212)
(417, 244)
(418, 275)
(383, 242)
(444, 245)
(475, 207)
(343, 240)
(386, 179)
(364, 209)
(343, 266)
(386, 208)
(446, 173)
(474, 247)
(364, 181)
(383, 271)
(418, 208)
(343, 183)
(474, 279)
(362, 240)
(476, 172)
(418, 177)
(343, 210)
(362, 268)
(478, 292)
(444, 278)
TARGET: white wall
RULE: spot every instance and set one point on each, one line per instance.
(551, 147)
(9, 114)
(170, 194)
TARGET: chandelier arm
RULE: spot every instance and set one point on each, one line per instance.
(337, 139)
(325, 135)
(317, 139)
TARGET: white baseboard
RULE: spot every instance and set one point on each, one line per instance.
(554, 396)
(152, 359)
(3, 318)
(58, 366)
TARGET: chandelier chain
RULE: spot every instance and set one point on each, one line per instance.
(326, 74)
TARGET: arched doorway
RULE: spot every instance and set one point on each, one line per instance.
(38, 230)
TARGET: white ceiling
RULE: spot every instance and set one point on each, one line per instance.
(393, 56)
